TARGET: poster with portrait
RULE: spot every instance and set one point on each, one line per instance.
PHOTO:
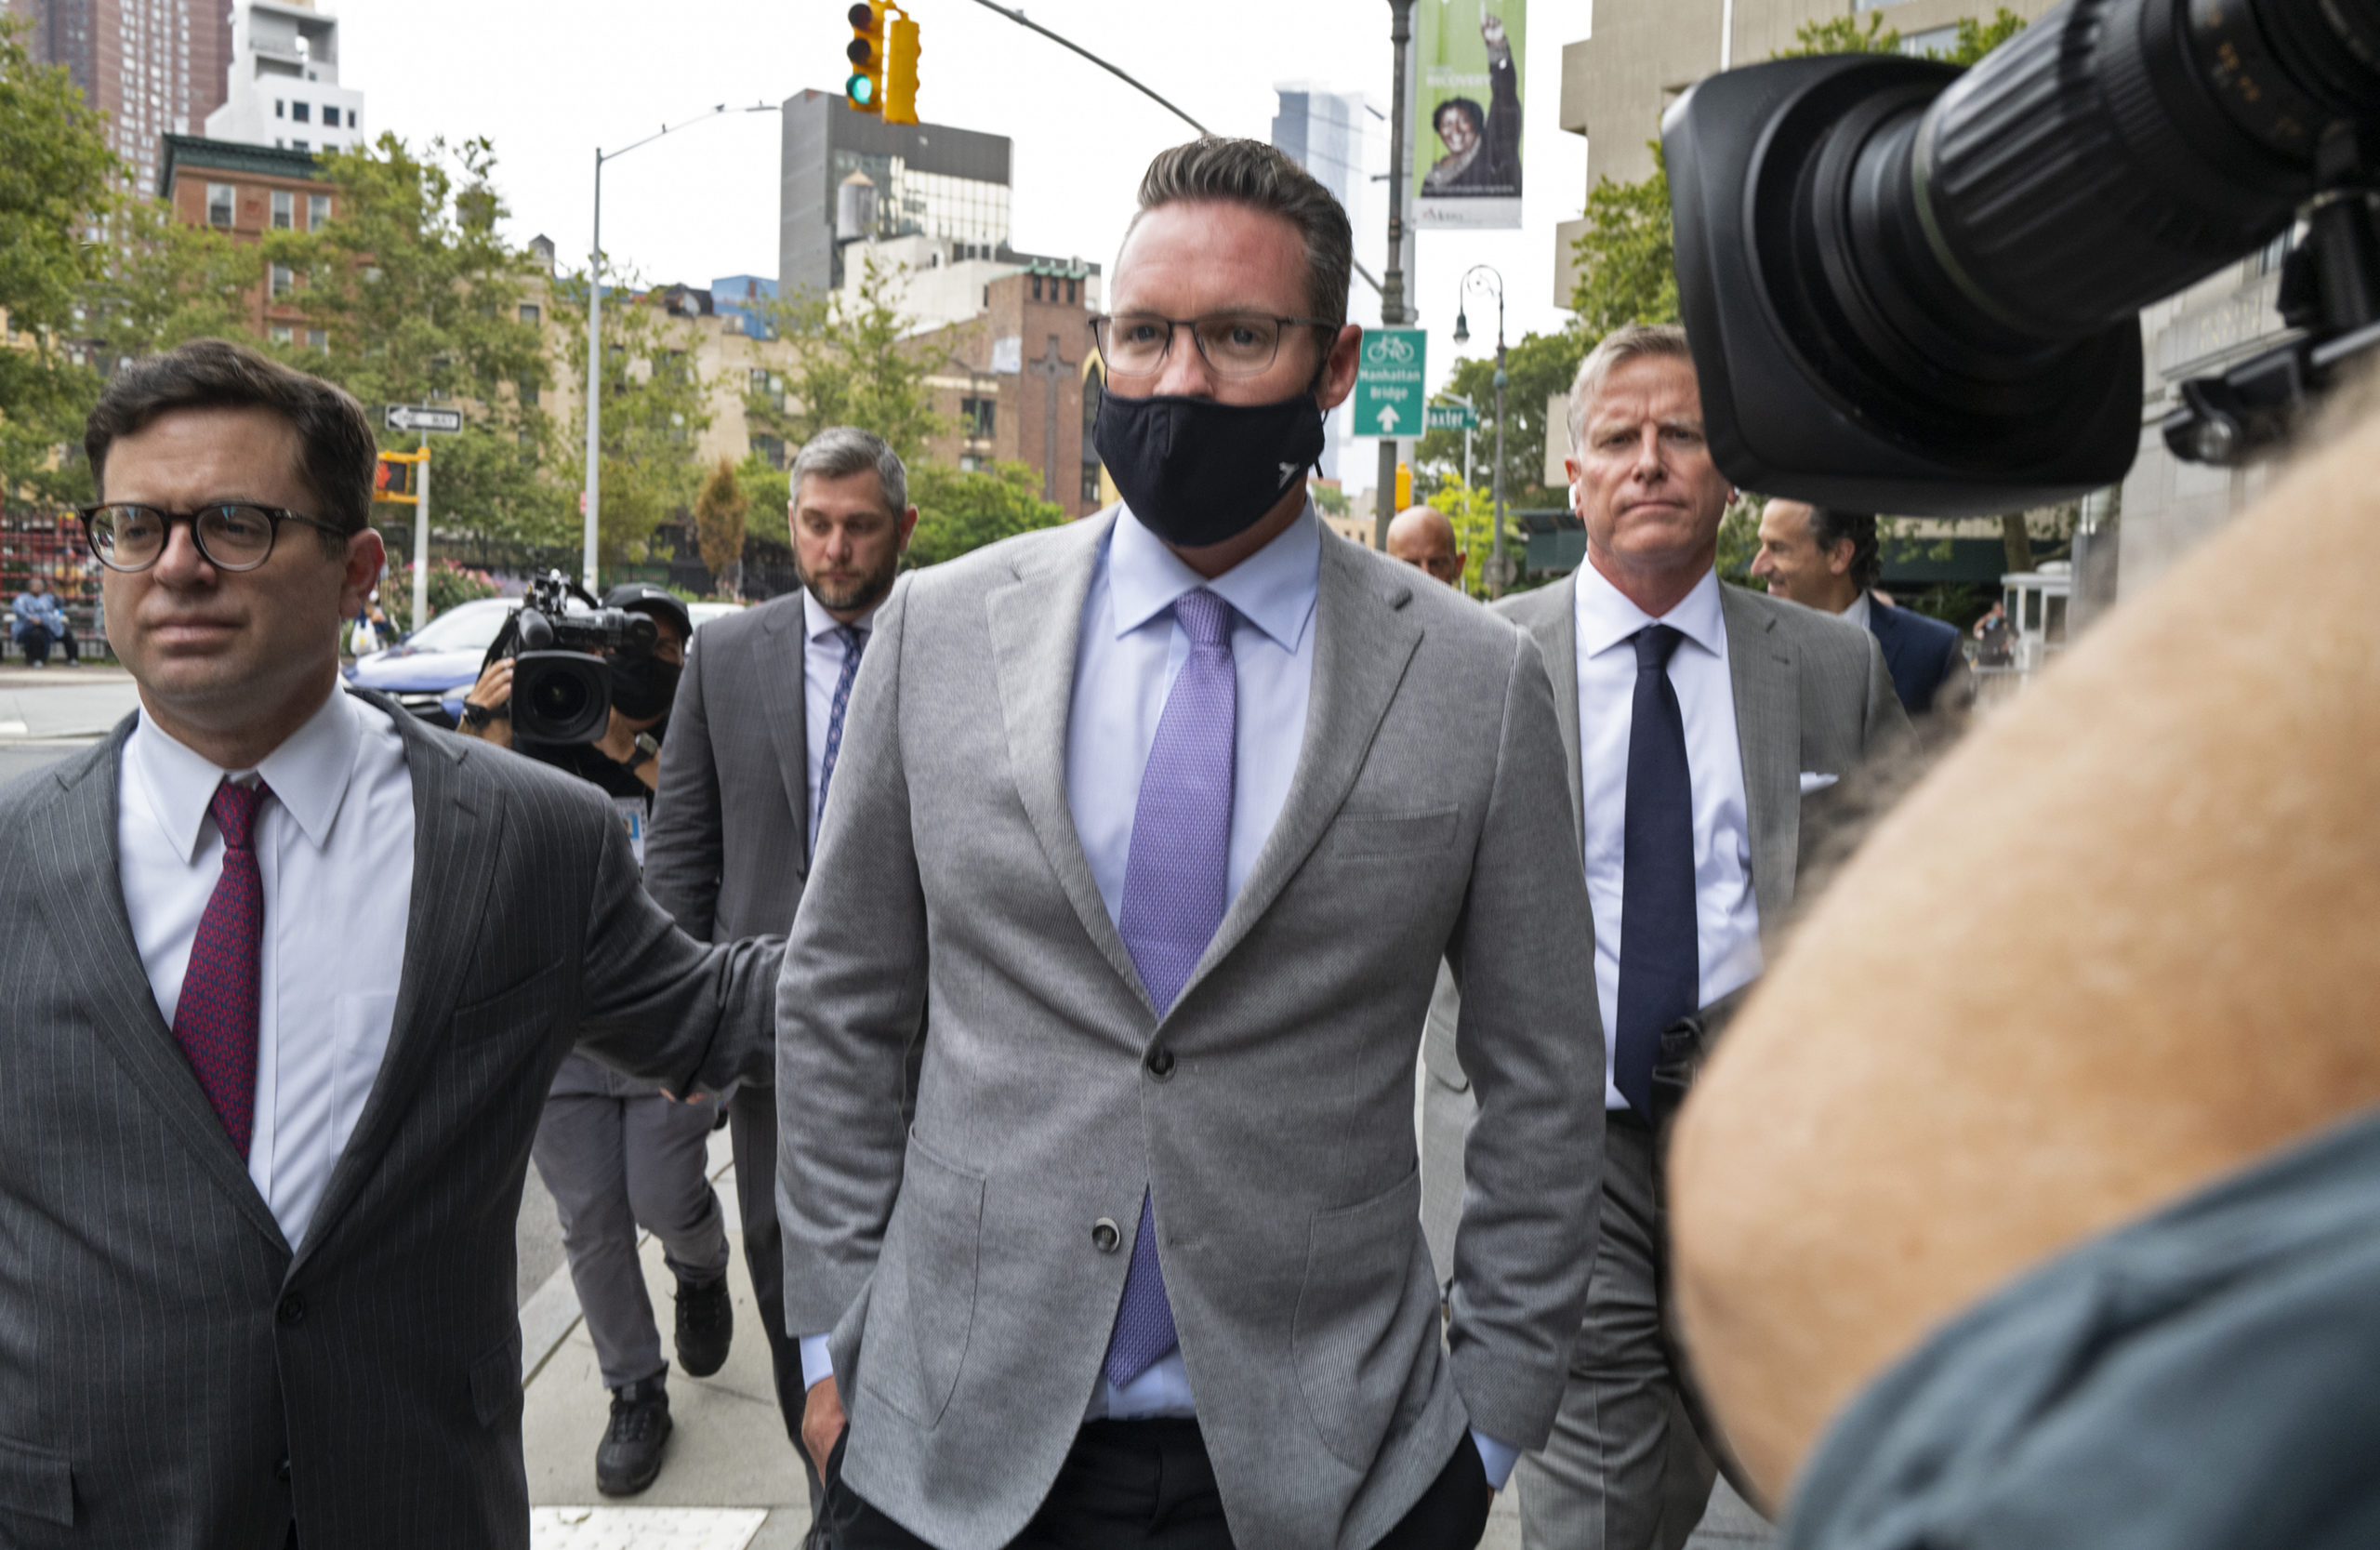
(1466, 129)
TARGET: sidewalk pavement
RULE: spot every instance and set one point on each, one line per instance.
(731, 1479)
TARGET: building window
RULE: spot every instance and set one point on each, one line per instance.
(1091, 392)
(977, 416)
(529, 312)
(281, 333)
(318, 338)
(1036, 287)
(772, 448)
(280, 108)
(302, 145)
(302, 113)
(318, 211)
(282, 282)
(529, 391)
(220, 198)
(282, 203)
(1070, 293)
(1090, 483)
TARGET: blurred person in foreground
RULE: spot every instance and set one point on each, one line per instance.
(1828, 560)
(619, 1156)
(1699, 720)
(759, 731)
(2106, 1277)
(1169, 816)
(1423, 538)
(288, 974)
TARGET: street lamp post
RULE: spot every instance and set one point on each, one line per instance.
(1392, 311)
(591, 499)
(1486, 277)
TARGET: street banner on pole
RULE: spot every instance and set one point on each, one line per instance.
(1388, 382)
(1466, 129)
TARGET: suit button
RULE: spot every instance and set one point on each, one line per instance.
(292, 1311)
(1105, 1234)
(1160, 1063)
(281, 1472)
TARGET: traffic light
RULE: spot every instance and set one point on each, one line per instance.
(865, 89)
(392, 477)
(900, 67)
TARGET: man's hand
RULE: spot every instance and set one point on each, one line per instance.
(493, 692)
(618, 745)
(821, 1422)
(1491, 28)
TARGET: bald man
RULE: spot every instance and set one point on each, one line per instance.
(1423, 538)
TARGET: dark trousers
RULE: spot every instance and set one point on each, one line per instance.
(1149, 1483)
(752, 1127)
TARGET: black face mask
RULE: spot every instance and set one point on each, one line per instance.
(644, 688)
(1196, 472)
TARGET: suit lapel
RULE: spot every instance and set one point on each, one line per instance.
(457, 822)
(1553, 622)
(1036, 623)
(1363, 640)
(87, 897)
(1768, 722)
(785, 694)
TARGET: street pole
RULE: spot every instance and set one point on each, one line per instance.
(1487, 276)
(421, 536)
(1392, 285)
(592, 495)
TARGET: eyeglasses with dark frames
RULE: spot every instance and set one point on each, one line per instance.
(231, 535)
(1232, 344)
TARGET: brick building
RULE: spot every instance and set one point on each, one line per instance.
(245, 191)
(1020, 383)
(153, 67)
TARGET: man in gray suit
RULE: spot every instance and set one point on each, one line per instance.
(1166, 818)
(288, 976)
(1695, 719)
(755, 738)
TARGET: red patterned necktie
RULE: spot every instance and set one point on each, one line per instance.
(216, 1020)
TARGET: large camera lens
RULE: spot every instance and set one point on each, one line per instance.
(1914, 289)
(561, 697)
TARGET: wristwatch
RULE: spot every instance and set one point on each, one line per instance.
(476, 717)
(645, 749)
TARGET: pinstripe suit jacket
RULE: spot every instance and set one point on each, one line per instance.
(172, 1373)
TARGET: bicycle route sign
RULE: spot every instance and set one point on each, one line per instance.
(1389, 399)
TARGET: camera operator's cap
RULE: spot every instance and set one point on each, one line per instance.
(644, 597)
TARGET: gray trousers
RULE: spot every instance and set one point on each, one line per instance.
(617, 1155)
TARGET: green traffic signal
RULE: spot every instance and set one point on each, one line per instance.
(861, 89)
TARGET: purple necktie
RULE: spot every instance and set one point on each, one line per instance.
(1174, 886)
(214, 1021)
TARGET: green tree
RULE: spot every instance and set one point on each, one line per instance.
(718, 528)
(1536, 368)
(57, 181)
(419, 300)
(1979, 39)
(449, 584)
(1842, 34)
(655, 408)
(960, 510)
(165, 284)
(1624, 260)
(857, 366)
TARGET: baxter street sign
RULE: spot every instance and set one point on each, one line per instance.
(1388, 382)
(422, 416)
(1452, 416)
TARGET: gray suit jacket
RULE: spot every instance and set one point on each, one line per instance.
(956, 1260)
(172, 1374)
(737, 758)
(1812, 695)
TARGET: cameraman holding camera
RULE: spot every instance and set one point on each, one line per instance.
(617, 1153)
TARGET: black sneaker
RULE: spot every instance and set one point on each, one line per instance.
(706, 1326)
(628, 1459)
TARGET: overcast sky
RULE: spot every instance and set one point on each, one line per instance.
(548, 84)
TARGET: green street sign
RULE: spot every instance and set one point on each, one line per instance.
(1452, 416)
(1389, 399)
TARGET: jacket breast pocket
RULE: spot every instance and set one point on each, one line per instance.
(523, 1007)
(36, 1483)
(1367, 1313)
(1355, 836)
(922, 1311)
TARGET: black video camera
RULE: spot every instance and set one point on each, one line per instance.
(562, 684)
(1915, 289)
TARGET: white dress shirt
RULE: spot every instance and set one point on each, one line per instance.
(821, 669)
(334, 847)
(1727, 917)
(1858, 611)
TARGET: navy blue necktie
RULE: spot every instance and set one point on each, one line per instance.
(1661, 967)
(853, 643)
